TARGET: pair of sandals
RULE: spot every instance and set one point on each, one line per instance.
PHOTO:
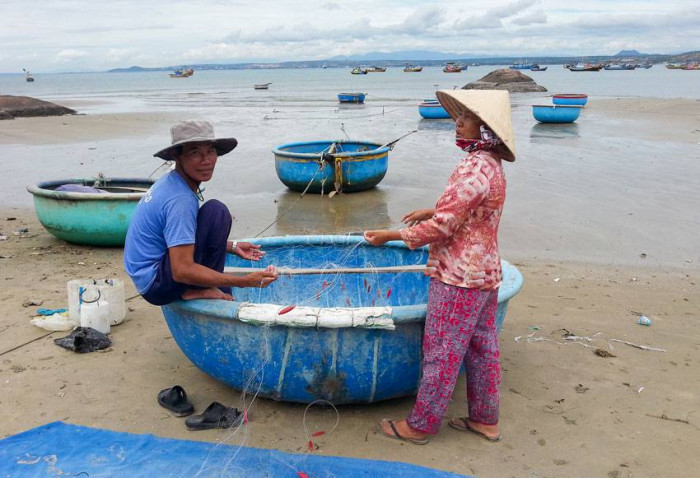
(174, 399)
(460, 424)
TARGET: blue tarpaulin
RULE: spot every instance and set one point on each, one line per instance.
(60, 449)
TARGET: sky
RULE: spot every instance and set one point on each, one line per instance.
(96, 35)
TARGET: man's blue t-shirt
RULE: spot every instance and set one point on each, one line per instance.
(166, 216)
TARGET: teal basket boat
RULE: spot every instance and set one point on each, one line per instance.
(91, 218)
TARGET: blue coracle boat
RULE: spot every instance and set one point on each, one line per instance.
(556, 113)
(351, 97)
(99, 218)
(570, 99)
(352, 338)
(324, 166)
(432, 110)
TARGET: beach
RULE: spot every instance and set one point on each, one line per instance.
(601, 219)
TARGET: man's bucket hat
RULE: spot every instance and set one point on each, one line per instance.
(195, 131)
(491, 106)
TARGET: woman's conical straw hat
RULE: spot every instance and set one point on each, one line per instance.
(492, 106)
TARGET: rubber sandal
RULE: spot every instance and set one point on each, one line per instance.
(397, 436)
(462, 425)
(175, 400)
(215, 416)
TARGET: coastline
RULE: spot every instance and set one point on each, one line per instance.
(579, 251)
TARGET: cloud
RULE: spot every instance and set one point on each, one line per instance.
(330, 6)
(493, 17)
(533, 18)
(70, 55)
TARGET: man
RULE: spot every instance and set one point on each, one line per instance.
(175, 249)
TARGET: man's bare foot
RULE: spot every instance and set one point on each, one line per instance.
(211, 293)
(403, 428)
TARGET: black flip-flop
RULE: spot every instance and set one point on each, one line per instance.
(462, 425)
(175, 400)
(215, 416)
(397, 436)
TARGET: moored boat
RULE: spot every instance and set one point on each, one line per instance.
(556, 113)
(327, 166)
(453, 68)
(536, 67)
(585, 67)
(352, 97)
(182, 73)
(262, 86)
(412, 68)
(376, 69)
(691, 66)
(88, 211)
(348, 332)
(522, 65)
(576, 99)
(432, 110)
(358, 71)
(619, 66)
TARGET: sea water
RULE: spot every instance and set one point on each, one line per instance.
(603, 189)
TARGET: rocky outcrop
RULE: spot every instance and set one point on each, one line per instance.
(506, 79)
(22, 106)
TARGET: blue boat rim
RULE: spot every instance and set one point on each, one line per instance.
(557, 106)
(43, 189)
(511, 285)
(279, 150)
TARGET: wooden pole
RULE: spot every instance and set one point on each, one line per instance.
(339, 270)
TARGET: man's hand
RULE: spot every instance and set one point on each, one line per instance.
(417, 216)
(246, 250)
(260, 279)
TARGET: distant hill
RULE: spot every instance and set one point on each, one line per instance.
(631, 53)
(412, 55)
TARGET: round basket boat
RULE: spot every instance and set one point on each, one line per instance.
(432, 110)
(98, 218)
(352, 337)
(571, 99)
(325, 166)
(556, 114)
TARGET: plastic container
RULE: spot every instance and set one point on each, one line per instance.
(95, 315)
(110, 291)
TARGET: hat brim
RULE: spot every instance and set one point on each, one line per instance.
(454, 105)
(222, 146)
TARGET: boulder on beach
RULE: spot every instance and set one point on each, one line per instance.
(22, 106)
(506, 79)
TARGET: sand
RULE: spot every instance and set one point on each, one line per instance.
(565, 411)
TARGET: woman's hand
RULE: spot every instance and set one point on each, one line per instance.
(378, 237)
(261, 279)
(431, 267)
(250, 251)
(419, 215)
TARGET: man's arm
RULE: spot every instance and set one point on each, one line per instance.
(186, 271)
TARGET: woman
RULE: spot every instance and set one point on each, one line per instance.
(465, 269)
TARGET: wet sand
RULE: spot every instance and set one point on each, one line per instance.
(601, 219)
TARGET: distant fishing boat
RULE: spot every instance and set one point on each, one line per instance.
(537, 67)
(453, 68)
(29, 78)
(412, 68)
(358, 71)
(182, 73)
(691, 66)
(521, 65)
(585, 67)
(619, 66)
(675, 66)
(376, 69)
(262, 86)
(351, 97)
